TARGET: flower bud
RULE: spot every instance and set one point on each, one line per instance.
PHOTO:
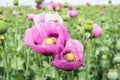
(88, 25)
(112, 74)
(3, 27)
(87, 36)
(103, 19)
(110, 1)
(16, 2)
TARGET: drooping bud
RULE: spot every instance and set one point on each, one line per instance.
(87, 36)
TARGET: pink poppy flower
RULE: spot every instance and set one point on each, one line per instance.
(30, 17)
(101, 12)
(39, 6)
(72, 13)
(71, 58)
(14, 13)
(88, 4)
(55, 6)
(46, 38)
(47, 17)
(97, 31)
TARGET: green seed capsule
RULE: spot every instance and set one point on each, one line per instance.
(38, 1)
(112, 75)
(65, 4)
(15, 2)
(88, 25)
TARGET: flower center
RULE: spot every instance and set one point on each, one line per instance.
(49, 41)
(69, 57)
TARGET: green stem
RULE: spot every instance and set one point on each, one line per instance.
(6, 62)
(57, 74)
(88, 60)
(27, 65)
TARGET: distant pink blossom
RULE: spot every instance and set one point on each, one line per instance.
(54, 6)
(97, 30)
(31, 17)
(88, 4)
(14, 13)
(72, 13)
(47, 17)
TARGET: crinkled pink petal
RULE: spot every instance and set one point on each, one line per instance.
(47, 17)
(61, 64)
(53, 17)
(39, 18)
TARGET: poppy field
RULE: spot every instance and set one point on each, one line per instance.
(60, 42)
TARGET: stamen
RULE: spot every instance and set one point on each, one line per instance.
(69, 57)
(49, 41)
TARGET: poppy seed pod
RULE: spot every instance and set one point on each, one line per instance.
(38, 1)
(88, 25)
(116, 58)
(65, 4)
(15, 2)
(112, 74)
